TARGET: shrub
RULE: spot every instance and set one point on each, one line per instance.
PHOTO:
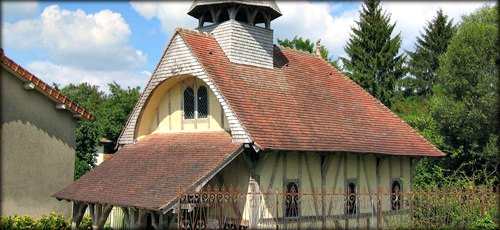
(17, 222)
(86, 223)
(485, 223)
(52, 221)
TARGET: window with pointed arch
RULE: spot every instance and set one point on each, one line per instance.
(396, 195)
(195, 103)
(351, 198)
(292, 200)
(202, 102)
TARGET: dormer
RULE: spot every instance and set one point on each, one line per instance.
(242, 28)
(181, 104)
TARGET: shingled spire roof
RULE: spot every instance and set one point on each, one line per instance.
(196, 9)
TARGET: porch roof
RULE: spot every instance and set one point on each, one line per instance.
(148, 174)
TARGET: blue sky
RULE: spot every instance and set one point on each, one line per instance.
(100, 42)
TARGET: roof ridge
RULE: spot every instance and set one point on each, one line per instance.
(299, 51)
(44, 88)
(193, 32)
(390, 111)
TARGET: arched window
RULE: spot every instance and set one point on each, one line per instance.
(188, 103)
(202, 102)
(292, 200)
(351, 198)
(396, 195)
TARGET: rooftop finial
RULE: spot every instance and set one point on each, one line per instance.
(318, 48)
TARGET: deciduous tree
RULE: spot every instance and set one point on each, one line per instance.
(308, 46)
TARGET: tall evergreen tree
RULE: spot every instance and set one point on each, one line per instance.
(424, 61)
(374, 62)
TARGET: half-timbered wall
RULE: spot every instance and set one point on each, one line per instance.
(305, 169)
(164, 111)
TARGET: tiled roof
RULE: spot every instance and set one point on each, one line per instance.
(148, 174)
(43, 88)
(305, 104)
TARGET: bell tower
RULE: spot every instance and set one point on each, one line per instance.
(242, 28)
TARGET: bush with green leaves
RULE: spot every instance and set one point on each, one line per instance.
(49, 222)
(52, 221)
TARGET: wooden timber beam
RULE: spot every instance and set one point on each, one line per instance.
(325, 165)
(236, 210)
(311, 183)
(78, 212)
(99, 214)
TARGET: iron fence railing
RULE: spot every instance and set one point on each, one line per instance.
(235, 208)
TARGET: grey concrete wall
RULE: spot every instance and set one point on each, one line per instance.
(37, 151)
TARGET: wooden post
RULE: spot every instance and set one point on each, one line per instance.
(277, 206)
(323, 220)
(78, 212)
(379, 219)
(126, 218)
(179, 214)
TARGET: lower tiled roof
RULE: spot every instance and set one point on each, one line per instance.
(305, 104)
(148, 174)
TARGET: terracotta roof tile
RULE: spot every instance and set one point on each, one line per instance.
(43, 87)
(305, 104)
(148, 174)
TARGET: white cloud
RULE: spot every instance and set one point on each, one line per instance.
(313, 20)
(411, 17)
(64, 75)
(18, 10)
(94, 41)
(171, 14)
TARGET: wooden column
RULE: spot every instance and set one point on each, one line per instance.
(78, 212)
(136, 218)
(99, 214)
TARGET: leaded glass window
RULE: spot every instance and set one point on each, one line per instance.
(188, 103)
(202, 102)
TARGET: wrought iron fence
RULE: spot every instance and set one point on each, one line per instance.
(235, 208)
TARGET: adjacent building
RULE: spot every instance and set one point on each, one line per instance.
(37, 142)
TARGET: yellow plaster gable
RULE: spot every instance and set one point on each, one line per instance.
(163, 110)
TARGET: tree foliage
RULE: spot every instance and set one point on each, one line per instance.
(308, 46)
(461, 118)
(424, 61)
(115, 110)
(374, 62)
(111, 110)
(467, 106)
